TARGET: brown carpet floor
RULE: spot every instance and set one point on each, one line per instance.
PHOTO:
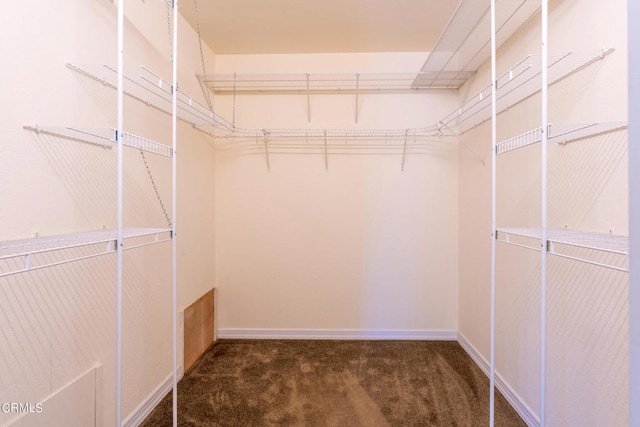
(334, 383)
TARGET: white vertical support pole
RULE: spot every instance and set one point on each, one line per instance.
(120, 219)
(633, 11)
(174, 208)
(492, 368)
(543, 213)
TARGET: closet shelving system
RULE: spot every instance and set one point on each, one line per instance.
(473, 36)
(147, 86)
(465, 44)
(230, 83)
(461, 49)
(577, 245)
(24, 255)
(564, 242)
(319, 83)
(514, 86)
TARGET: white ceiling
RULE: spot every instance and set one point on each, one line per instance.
(319, 26)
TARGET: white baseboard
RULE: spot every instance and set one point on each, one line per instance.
(143, 410)
(507, 391)
(336, 334)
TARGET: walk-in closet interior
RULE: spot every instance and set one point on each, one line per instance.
(181, 175)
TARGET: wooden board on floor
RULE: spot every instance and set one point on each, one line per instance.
(199, 328)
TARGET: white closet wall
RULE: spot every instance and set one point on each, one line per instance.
(587, 349)
(59, 322)
(361, 246)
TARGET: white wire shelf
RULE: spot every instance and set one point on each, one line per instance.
(464, 44)
(560, 133)
(19, 256)
(330, 82)
(334, 134)
(334, 141)
(143, 84)
(564, 242)
(104, 137)
(518, 84)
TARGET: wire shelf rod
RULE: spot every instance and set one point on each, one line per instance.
(603, 242)
(561, 255)
(35, 245)
(30, 247)
(104, 137)
(560, 133)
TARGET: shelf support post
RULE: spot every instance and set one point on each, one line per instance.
(404, 149)
(543, 213)
(494, 228)
(233, 118)
(174, 210)
(119, 210)
(308, 101)
(266, 149)
(633, 260)
(326, 153)
(357, 93)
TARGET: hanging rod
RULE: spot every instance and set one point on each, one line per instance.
(29, 250)
(560, 133)
(104, 137)
(616, 245)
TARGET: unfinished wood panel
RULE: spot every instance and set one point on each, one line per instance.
(199, 328)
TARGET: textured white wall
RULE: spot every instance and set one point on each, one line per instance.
(587, 382)
(361, 246)
(58, 322)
